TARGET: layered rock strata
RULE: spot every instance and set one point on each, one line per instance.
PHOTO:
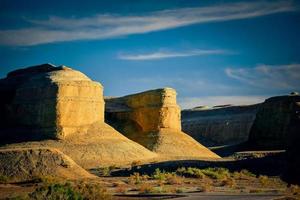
(152, 118)
(274, 122)
(219, 125)
(58, 107)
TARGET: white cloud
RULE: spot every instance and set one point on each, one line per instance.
(191, 102)
(171, 54)
(268, 76)
(57, 29)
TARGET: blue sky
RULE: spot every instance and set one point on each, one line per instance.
(211, 52)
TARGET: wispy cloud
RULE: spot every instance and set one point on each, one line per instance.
(171, 54)
(268, 76)
(57, 29)
(191, 102)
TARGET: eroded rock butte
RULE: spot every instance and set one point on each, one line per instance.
(152, 118)
(58, 107)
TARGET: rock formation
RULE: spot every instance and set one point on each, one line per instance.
(59, 103)
(61, 108)
(20, 165)
(152, 118)
(219, 125)
(293, 145)
(274, 121)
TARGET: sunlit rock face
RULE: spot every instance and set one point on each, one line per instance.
(152, 118)
(274, 122)
(51, 102)
(61, 108)
(150, 110)
(59, 103)
(219, 125)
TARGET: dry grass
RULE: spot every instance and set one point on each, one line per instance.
(264, 180)
(121, 189)
(173, 179)
(145, 188)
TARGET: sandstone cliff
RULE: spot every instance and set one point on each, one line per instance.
(274, 121)
(58, 107)
(152, 118)
(219, 125)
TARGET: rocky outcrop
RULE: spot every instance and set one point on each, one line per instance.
(274, 121)
(293, 146)
(9, 85)
(219, 125)
(20, 165)
(58, 107)
(58, 104)
(152, 118)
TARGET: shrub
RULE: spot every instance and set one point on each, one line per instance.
(172, 179)
(247, 173)
(3, 179)
(159, 175)
(92, 191)
(136, 163)
(211, 172)
(68, 191)
(294, 190)
(159, 190)
(121, 189)
(145, 188)
(264, 180)
(105, 171)
(135, 178)
(228, 182)
(190, 172)
(205, 187)
(179, 190)
(56, 191)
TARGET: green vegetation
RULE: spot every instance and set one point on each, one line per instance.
(264, 180)
(216, 173)
(56, 191)
(3, 179)
(106, 171)
(146, 188)
(68, 191)
(190, 172)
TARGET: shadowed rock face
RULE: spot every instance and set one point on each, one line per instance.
(293, 146)
(9, 85)
(219, 126)
(58, 103)
(274, 121)
(152, 118)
